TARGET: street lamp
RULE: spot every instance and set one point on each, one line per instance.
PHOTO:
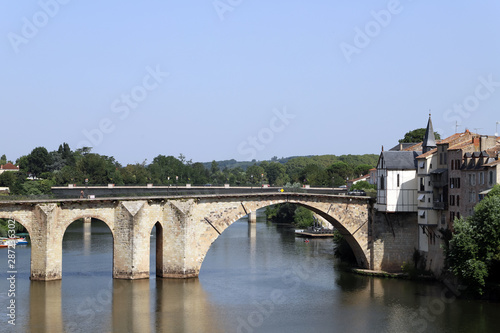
(496, 128)
(87, 186)
(251, 182)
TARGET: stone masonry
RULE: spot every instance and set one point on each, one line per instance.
(187, 226)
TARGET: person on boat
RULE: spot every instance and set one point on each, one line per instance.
(82, 195)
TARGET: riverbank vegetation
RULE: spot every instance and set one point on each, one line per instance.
(296, 215)
(473, 253)
(41, 169)
(4, 227)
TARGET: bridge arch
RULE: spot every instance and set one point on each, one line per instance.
(19, 220)
(339, 215)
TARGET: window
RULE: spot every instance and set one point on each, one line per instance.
(458, 200)
(490, 180)
(421, 213)
(481, 178)
(421, 164)
(472, 196)
(382, 184)
(445, 158)
(458, 215)
(452, 216)
(472, 179)
(452, 200)
(421, 197)
(422, 184)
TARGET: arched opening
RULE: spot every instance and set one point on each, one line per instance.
(354, 232)
(21, 257)
(87, 248)
(156, 247)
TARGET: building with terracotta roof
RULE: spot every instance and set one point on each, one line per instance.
(438, 180)
(351, 182)
(8, 167)
(474, 168)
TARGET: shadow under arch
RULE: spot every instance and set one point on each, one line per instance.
(226, 220)
(159, 249)
(86, 235)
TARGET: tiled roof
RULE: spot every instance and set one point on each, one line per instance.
(429, 153)
(360, 178)
(461, 145)
(9, 166)
(415, 147)
(496, 162)
(403, 146)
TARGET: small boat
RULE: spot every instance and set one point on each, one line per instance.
(4, 242)
(21, 241)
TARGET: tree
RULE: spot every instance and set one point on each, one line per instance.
(254, 174)
(417, 135)
(3, 159)
(164, 167)
(339, 171)
(363, 185)
(38, 161)
(135, 174)
(276, 173)
(214, 168)
(99, 169)
(199, 174)
(474, 249)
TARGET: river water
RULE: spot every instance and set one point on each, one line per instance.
(255, 278)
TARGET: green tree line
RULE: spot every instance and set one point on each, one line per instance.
(41, 169)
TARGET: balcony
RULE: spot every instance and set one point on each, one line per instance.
(439, 177)
(440, 205)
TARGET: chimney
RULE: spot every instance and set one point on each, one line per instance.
(483, 143)
(476, 142)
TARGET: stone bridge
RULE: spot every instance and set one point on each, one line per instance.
(186, 226)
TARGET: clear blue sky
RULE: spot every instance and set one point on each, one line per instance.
(246, 79)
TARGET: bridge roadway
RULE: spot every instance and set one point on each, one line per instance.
(186, 226)
(150, 190)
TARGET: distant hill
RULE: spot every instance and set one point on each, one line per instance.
(302, 161)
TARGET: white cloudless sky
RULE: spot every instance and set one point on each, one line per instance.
(246, 79)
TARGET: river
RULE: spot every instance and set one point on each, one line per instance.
(255, 278)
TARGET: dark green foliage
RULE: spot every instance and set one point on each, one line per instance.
(416, 136)
(299, 216)
(363, 185)
(38, 161)
(4, 227)
(303, 218)
(474, 249)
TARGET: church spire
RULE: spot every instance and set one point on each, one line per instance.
(429, 138)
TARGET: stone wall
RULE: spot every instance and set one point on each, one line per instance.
(394, 239)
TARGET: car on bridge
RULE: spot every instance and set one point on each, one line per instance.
(357, 192)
